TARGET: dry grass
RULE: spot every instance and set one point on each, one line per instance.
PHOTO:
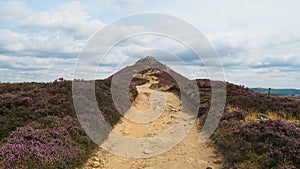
(165, 88)
(252, 116)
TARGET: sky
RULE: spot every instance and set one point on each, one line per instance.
(258, 42)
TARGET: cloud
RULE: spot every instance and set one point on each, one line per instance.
(138, 46)
(247, 50)
(12, 43)
(112, 6)
(273, 77)
(27, 68)
(230, 43)
(280, 60)
(119, 4)
(71, 18)
(256, 46)
(12, 10)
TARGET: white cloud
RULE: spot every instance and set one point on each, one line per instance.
(114, 5)
(258, 42)
(71, 18)
(252, 50)
(229, 39)
(119, 4)
(273, 77)
(11, 10)
(28, 62)
(40, 46)
(27, 68)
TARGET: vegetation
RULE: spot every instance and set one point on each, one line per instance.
(257, 144)
(39, 128)
(244, 140)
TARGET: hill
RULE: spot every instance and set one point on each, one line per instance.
(40, 129)
(279, 92)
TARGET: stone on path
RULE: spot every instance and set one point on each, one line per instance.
(147, 151)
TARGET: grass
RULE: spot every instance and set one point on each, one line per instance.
(252, 116)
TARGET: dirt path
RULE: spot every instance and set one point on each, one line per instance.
(187, 154)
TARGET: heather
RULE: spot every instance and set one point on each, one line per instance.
(166, 82)
(22, 103)
(38, 146)
(246, 99)
(251, 144)
(39, 127)
(257, 144)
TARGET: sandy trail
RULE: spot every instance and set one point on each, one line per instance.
(188, 154)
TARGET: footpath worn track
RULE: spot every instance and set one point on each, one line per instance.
(188, 154)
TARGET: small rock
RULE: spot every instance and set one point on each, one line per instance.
(149, 168)
(217, 161)
(102, 162)
(263, 117)
(209, 167)
(96, 158)
(147, 151)
(192, 145)
(200, 162)
(95, 164)
(191, 159)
